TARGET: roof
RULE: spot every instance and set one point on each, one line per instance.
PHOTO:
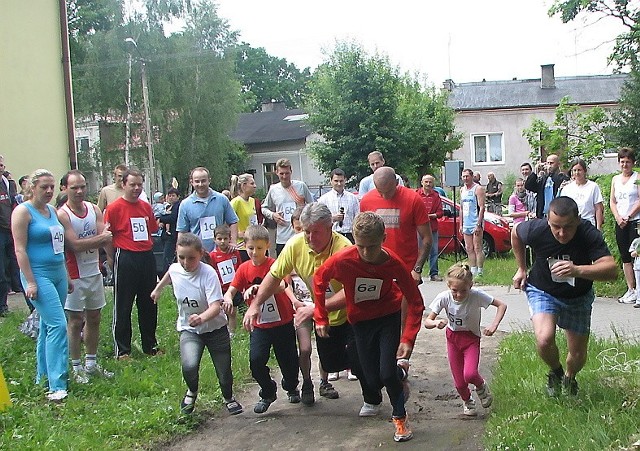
(271, 126)
(582, 90)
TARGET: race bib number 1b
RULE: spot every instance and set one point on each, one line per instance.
(367, 289)
(227, 271)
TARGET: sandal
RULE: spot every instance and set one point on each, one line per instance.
(234, 407)
(187, 407)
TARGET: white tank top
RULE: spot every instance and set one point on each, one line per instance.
(82, 264)
(626, 195)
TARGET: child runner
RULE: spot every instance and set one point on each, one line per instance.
(274, 326)
(375, 281)
(226, 261)
(201, 321)
(462, 303)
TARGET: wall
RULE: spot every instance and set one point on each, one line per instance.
(33, 115)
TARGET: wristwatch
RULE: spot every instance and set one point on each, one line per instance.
(417, 269)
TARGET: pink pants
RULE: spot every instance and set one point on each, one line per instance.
(463, 349)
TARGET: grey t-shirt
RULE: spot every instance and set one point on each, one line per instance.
(279, 200)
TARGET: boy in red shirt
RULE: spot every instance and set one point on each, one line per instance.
(274, 326)
(375, 280)
(226, 262)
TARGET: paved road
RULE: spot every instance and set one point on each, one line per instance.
(608, 319)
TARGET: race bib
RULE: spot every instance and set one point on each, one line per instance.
(207, 227)
(57, 238)
(139, 228)
(227, 271)
(465, 208)
(89, 256)
(253, 220)
(287, 210)
(269, 312)
(367, 289)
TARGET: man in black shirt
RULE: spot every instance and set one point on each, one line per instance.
(570, 254)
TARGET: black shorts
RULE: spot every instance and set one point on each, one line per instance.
(624, 237)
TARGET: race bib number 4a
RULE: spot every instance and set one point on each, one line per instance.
(367, 289)
(227, 271)
(57, 239)
(139, 229)
(269, 312)
(207, 227)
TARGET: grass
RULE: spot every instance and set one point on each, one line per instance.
(603, 416)
(139, 407)
(499, 270)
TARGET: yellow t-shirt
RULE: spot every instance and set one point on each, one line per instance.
(297, 256)
(246, 211)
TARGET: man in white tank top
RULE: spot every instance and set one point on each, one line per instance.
(85, 233)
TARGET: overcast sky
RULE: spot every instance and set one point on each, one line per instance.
(466, 40)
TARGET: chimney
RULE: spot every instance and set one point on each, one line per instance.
(272, 105)
(548, 80)
(448, 84)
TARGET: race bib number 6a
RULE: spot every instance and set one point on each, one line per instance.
(139, 229)
(367, 289)
(57, 238)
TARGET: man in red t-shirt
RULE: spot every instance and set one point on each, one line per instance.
(404, 216)
(433, 203)
(131, 222)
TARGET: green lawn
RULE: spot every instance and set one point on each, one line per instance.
(138, 407)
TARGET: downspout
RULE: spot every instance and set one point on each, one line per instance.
(68, 93)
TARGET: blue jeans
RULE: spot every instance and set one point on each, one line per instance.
(191, 348)
(52, 350)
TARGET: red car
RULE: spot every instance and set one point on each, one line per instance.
(496, 237)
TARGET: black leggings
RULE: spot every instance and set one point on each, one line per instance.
(624, 237)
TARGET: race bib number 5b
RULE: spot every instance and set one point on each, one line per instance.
(139, 229)
(367, 289)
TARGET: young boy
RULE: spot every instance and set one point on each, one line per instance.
(226, 262)
(375, 281)
(274, 326)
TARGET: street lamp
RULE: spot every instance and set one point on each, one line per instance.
(145, 99)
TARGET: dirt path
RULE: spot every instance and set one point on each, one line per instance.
(435, 413)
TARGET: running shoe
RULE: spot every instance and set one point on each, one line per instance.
(486, 398)
(369, 410)
(403, 433)
(554, 384)
(327, 391)
(469, 408)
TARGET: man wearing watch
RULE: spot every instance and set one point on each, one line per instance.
(404, 215)
(472, 200)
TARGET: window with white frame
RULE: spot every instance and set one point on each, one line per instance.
(487, 148)
(270, 176)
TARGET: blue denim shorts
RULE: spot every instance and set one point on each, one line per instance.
(574, 316)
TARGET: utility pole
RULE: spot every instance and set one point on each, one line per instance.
(127, 133)
(145, 99)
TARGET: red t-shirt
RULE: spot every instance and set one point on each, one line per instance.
(131, 224)
(372, 291)
(277, 310)
(226, 264)
(433, 203)
(402, 214)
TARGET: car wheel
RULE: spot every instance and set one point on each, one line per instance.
(488, 246)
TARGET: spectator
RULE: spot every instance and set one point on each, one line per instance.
(494, 194)
(110, 193)
(525, 171)
(477, 177)
(545, 183)
(376, 161)
(585, 192)
(168, 221)
(243, 187)
(433, 203)
(344, 206)
(517, 203)
(472, 198)
(159, 205)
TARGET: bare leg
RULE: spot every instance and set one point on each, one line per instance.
(92, 331)
(544, 327)
(577, 356)
(233, 319)
(304, 350)
(477, 243)
(628, 275)
(470, 247)
(74, 328)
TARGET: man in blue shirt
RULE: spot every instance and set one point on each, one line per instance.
(205, 209)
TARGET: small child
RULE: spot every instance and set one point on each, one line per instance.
(274, 326)
(635, 253)
(462, 303)
(375, 281)
(226, 262)
(201, 321)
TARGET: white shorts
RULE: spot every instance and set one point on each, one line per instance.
(88, 294)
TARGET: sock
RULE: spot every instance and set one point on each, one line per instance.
(190, 397)
(474, 270)
(76, 365)
(90, 360)
(479, 270)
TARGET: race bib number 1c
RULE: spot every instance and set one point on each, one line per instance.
(57, 239)
(207, 227)
(367, 289)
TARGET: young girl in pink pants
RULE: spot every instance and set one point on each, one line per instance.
(462, 304)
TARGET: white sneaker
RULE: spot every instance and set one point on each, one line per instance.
(629, 297)
(333, 376)
(353, 377)
(486, 398)
(97, 370)
(469, 408)
(57, 396)
(80, 376)
(369, 410)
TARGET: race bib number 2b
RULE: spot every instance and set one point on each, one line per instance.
(367, 289)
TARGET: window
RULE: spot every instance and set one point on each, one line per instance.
(270, 176)
(487, 148)
(82, 144)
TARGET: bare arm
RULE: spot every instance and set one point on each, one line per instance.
(427, 239)
(19, 229)
(432, 321)
(269, 286)
(157, 291)
(481, 194)
(599, 215)
(502, 308)
(76, 244)
(517, 245)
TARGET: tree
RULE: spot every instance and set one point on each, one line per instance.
(627, 118)
(359, 103)
(573, 133)
(627, 12)
(265, 78)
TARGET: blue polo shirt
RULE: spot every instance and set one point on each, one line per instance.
(201, 216)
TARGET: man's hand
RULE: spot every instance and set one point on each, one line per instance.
(404, 351)
(279, 219)
(565, 268)
(519, 279)
(227, 307)
(416, 276)
(303, 314)
(322, 331)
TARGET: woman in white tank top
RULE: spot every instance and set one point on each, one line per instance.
(625, 206)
